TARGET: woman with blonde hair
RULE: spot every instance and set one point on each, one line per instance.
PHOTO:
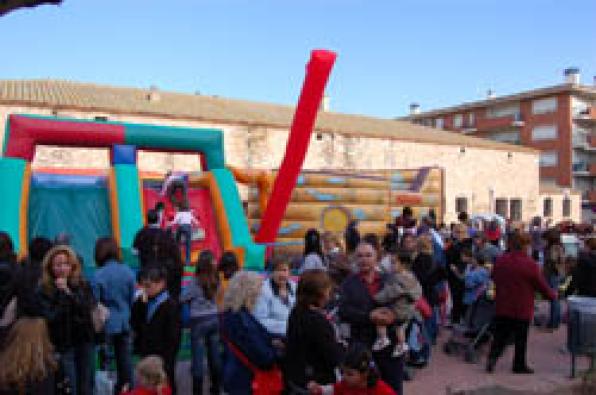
(249, 347)
(27, 359)
(66, 301)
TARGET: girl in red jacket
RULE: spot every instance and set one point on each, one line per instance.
(150, 377)
(359, 377)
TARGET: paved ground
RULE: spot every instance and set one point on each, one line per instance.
(546, 354)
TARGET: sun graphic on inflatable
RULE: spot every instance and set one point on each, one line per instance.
(335, 219)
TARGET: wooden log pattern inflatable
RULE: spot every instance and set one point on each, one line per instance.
(328, 200)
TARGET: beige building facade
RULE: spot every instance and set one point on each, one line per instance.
(478, 173)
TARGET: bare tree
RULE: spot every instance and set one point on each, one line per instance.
(7, 6)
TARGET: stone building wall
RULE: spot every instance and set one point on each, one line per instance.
(469, 172)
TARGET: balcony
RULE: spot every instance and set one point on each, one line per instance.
(584, 142)
(586, 116)
(584, 169)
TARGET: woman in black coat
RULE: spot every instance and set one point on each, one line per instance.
(66, 301)
(313, 352)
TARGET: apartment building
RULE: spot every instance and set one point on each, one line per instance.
(559, 121)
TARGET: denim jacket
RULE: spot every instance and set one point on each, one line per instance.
(114, 287)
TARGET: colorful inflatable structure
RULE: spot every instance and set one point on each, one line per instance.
(328, 200)
(90, 204)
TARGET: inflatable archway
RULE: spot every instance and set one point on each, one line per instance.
(127, 196)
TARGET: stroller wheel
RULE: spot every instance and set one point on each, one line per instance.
(470, 355)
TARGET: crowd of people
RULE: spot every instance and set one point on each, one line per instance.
(350, 317)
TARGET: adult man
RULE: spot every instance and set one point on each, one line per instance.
(358, 309)
(147, 238)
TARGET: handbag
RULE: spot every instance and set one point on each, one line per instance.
(264, 382)
(424, 308)
(99, 316)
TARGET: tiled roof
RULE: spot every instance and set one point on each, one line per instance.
(579, 90)
(57, 94)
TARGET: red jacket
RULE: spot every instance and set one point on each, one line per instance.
(381, 388)
(146, 391)
(517, 278)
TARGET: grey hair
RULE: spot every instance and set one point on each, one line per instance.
(242, 291)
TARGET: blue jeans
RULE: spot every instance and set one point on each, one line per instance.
(431, 325)
(122, 344)
(77, 363)
(204, 337)
(554, 319)
(185, 231)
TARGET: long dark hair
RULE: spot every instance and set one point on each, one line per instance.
(228, 264)
(206, 274)
(352, 236)
(312, 243)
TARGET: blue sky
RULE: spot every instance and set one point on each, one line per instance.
(390, 53)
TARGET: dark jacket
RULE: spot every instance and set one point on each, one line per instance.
(161, 334)
(313, 352)
(429, 274)
(146, 241)
(68, 316)
(517, 278)
(355, 306)
(9, 296)
(583, 277)
(456, 285)
(252, 339)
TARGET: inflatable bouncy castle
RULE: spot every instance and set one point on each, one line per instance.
(91, 204)
(329, 200)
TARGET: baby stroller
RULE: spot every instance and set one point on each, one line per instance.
(476, 330)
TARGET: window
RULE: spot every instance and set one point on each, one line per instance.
(439, 123)
(544, 132)
(461, 204)
(470, 120)
(515, 208)
(550, 181)
(458, 121)
(505, 110)
(543, 106)
(566, 207)
(501, 207)
(511, 137)
(549, 158)
(548, 207)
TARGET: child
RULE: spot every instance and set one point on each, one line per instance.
(400, 292)
(150, 377)
(476, 278)
(359, 377)
(155, 320)
(200, 294)
(185, 220)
